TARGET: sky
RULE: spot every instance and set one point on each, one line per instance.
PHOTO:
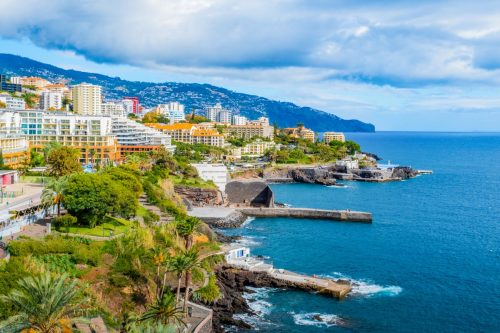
(401, 65)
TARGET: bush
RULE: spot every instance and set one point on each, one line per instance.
(119, 280)
(209, 293)
(64, 221)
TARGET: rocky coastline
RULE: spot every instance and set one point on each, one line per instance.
(330, 174)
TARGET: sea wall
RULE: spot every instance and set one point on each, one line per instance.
(336, 215)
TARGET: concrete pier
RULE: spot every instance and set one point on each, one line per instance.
(308, 213)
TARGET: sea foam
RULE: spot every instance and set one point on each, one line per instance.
(366, 287)
(315, 319)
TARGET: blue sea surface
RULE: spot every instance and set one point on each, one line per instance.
(430, 262)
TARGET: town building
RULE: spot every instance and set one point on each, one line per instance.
(239, 120)
(173, 111)
(34, 81)
(6, 85)
(191, 133)
(217, 173)
(12, 103)
(113, 109)
(224, 117)
(59, 88)
(257, 148)
(134, 103)
(249, 131)
(50, 100)
(87, 99)
(261, 121)
(333, 136)
(135, 137)
(91, 135)
(300, 132)
(13, 144)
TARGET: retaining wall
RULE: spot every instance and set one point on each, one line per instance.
(337, 215)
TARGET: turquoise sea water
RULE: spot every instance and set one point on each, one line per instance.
(430, 262)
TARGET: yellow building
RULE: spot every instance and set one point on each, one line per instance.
(190, 133)
(87, 99)
(248, 132)
(300, 132)
(333, 136)
(15, 150)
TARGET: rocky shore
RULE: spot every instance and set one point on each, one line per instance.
(233, 284)
(329, 174)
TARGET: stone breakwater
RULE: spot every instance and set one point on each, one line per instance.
(307, 213)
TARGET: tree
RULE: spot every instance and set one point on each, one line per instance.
(193, 261)
(352, 147)
(162, 119)
(92, 196)
(179, 265)
(150, 117)
(2, 163)
(43, 304)
(164, 311)
(63, 161)
(2, 105)
(186, 228)
(30, 99)
(52, 194)
(36, 159)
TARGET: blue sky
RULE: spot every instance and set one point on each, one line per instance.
(401, 65)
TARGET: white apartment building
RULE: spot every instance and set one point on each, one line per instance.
(92, 135)
(224, 116)
(12, 103)
(173, 111)
(87, 99)
(212, 112)
(239, 120)
(217, 173)
(50, 100)
(261, 121)
(131, 133)
(113, 109)
(15, 79)
(128, 105)
(257, 148)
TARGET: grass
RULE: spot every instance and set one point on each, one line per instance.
(110, 226)
(192, 182)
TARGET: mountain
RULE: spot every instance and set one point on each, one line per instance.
(192, 95)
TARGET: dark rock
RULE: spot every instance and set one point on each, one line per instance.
(226, 239)
(374, 156)
(199, 196)
(233, 220)
(404, 172)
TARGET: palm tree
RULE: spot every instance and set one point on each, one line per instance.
(186, 229)
(180, 264)
(43, 304)
(164, 311)
(193, 261)
(52, 194)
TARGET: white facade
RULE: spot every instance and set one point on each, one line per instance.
(13, 103)
(50, 100)
(349, 164)
(15, 79)
(113, 109)
(236, 252)
(131, 133)
(128, 105)
(173, 111)
(224, 117)
(217, 173)
(262, 121)
(239, 120)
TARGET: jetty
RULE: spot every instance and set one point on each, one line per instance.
(239, 257)
(308, 213)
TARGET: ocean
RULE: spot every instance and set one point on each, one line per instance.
(430, 262)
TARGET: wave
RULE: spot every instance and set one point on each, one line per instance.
(366, 287)
(258, 301)
(247, 221)
(248, 241)
(316, 319)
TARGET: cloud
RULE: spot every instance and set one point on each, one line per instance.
(396, 43)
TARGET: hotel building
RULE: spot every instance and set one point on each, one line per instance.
(250, 131)
(87, 99)
(12, 103)
(173, 111)
(191, 133)
(13, 144)
(333, 136)
(300, 132)
(50, 100)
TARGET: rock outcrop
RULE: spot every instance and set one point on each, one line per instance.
(404, 172)
(200, 196)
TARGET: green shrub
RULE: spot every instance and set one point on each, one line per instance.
(64, 221)
(209, 293)
(119, 280)
(59, 263)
